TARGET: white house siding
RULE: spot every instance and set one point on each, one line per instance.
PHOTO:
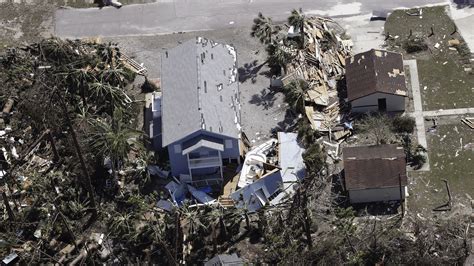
(369, 103)
(375, 194)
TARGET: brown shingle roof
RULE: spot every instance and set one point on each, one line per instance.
(375, 71)
(374, 166)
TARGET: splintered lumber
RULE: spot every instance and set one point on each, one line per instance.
(8, 106)
(321, 63)
(337, 135)
(84, 253)
(469, 121)
(11, 216)
(133, 65)
(341, 59)
(453, 42)
(38, 140)
(319, 95)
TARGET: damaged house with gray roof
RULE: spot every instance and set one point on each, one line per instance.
(200, 110)
(376, 82)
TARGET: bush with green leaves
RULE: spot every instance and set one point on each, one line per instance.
(414, 45)
(403, 124)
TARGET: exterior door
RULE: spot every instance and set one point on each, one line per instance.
(382, 103)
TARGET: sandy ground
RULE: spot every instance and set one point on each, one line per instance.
(263, 110)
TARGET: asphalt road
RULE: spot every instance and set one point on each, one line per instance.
(168, 16)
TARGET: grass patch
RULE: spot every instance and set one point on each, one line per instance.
(440, 69)
(450, 158)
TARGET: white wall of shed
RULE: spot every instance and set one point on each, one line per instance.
(375, 194)
(369, 103)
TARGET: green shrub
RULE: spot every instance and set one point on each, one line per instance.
(403, 124)
(149, 86)
(414, 45)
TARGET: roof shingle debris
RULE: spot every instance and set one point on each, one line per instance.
(200, 90)
(379, 166)
(375, 71)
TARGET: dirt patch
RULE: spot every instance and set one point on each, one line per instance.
(22, 23)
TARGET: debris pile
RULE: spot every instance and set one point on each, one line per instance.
(322, 65)
(53, 98)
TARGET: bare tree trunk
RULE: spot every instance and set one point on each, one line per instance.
(307, 220)
(81, 159)
(11, 216)
(53, 146)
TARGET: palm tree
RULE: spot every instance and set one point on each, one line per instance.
(278, 55)
(108, 95)
(314, 159)
(295, 93)
(297, 20)
(113, 139)
(114, 75)
(306, 134)
(264, 29)
(109, 53)
(79, 79)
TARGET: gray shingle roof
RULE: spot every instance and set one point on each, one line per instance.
(200, 90)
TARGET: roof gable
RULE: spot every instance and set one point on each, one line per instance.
(375, 71)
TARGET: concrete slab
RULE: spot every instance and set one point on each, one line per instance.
(464, 19)
(365, 34)
(418, 113)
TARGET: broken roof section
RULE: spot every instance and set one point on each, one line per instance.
(374, 166)
(225, 260)
(290, 155)
(278, 183)
(200, 90)
(375, 71)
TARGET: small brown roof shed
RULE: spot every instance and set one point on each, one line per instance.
(377, 166)
(375, 71)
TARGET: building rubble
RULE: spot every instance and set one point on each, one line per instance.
(270, 173)
(322, 65)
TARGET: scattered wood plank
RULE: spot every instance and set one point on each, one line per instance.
(469, 121)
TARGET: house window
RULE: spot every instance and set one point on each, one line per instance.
(228, 144)
(177, 148)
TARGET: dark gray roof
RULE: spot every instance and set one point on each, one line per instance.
(225, 260)
(200, 90)
(375, 71)
(376, 166)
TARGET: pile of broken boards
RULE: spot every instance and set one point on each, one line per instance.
(322, 65)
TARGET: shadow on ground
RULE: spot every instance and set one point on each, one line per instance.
(265, 98)
(250, 71)
(288, 124)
